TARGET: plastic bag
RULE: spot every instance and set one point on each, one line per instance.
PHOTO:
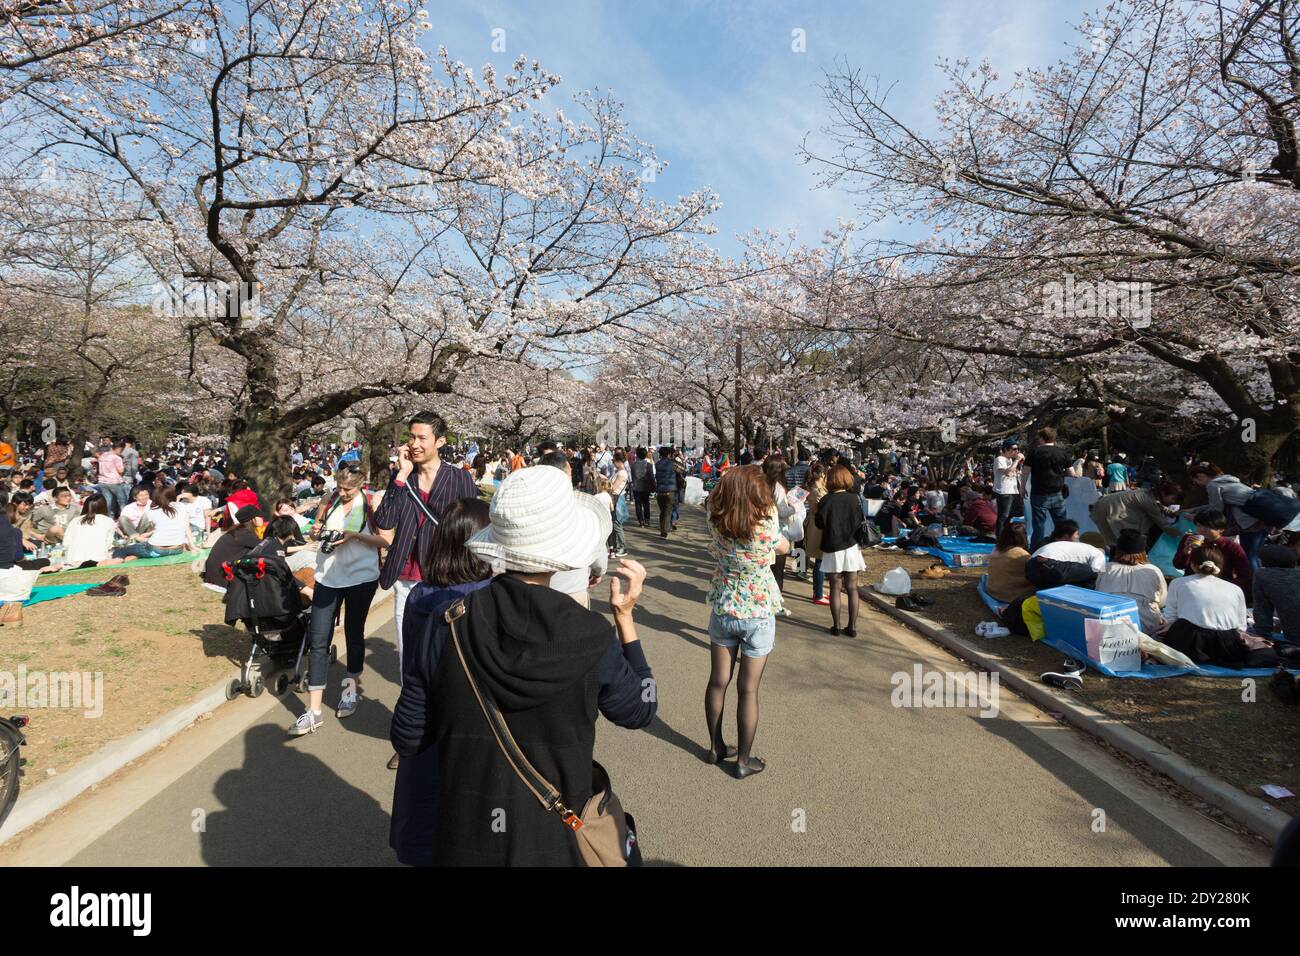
(1164, 653)
(897, 582)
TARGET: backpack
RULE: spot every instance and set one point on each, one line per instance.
(1269, 506)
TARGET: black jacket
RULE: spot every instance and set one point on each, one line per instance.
(233, 544)
(10, 548)
(838, 515)
(550, 664)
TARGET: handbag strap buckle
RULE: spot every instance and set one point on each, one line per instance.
(568, 817)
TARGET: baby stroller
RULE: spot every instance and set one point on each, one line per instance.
(262, 593)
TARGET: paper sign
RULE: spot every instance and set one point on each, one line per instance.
(1119, 645)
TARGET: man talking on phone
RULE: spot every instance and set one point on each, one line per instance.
(412, 507)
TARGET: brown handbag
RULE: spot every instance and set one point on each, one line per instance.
(602, 829)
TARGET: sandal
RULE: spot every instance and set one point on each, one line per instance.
(743, 771)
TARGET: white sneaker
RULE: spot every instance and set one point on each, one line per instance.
(351, 694)
(307, 723)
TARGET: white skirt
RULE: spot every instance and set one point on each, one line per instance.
(850, 559)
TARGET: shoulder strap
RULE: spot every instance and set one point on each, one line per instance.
(411, 487)
(539, 786)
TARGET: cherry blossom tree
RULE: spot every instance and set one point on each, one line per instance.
(1130, 212)
(335, 216)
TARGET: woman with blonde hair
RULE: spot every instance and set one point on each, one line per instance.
(347, 574)
(744, 601)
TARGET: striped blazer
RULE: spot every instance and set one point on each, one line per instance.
(401, 509)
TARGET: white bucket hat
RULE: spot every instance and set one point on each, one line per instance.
(537, 525)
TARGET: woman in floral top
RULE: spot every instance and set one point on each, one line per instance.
(744, 600)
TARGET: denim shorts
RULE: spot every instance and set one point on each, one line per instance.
(755, 636)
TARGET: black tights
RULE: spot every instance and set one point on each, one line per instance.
(845, 581)
(715, 697)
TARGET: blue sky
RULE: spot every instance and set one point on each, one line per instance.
(719, 91)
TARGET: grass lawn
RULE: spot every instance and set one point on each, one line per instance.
(1202, 718)
(158, 646)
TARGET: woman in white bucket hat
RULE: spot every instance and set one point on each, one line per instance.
(548, 664)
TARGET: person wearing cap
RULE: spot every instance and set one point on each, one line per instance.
(549, 665)
(1130, 574)
(1006, 480)
(235, 543)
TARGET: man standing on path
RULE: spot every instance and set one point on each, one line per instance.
(666, 487)
(1048, 463)
(413, 505)
(643, 484)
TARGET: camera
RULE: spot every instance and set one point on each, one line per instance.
(329, 540)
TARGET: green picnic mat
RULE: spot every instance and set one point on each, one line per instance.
(183, 558)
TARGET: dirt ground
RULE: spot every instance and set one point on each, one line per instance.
(157, 647)
(1202, 718)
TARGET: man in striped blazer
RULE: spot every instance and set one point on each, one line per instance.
(413, 505)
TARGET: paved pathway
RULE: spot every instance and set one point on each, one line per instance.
(851, 779)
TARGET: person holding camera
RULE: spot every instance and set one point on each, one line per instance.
(347, 571)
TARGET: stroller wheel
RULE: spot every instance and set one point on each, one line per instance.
(302, 682)
(281, 684)
(234, 688)
(258, 686)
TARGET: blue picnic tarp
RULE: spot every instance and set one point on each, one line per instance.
(1149, 670)
(956, 552)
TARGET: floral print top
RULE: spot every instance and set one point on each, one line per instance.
(742, 585)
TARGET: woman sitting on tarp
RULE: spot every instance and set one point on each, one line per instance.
(1006, 575)
(1206, 616)
(1130, 574)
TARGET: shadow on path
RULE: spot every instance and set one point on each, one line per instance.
(285, 807)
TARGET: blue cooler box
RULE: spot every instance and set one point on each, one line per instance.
(1066, 608)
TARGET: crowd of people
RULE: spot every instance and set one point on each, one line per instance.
(1241, 552)
(505, 666)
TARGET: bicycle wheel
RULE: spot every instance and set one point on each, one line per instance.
(9, 761)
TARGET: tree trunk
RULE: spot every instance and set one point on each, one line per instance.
(259, 453)
(377, 455)
(1251, 461)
